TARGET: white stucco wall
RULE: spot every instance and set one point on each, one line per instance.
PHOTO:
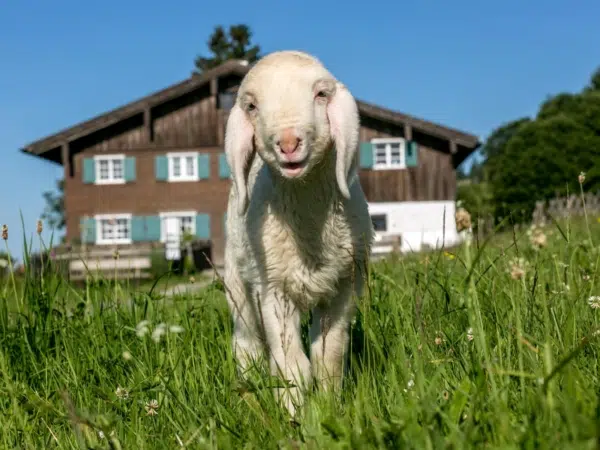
(417, 223)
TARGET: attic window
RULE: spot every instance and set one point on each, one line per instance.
(389, 153)
(226, 100)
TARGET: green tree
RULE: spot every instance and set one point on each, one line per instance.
(476, 174)
(584, 108)
(461, 174)
(495, 146)
(54, 213)
(475, 197)
(543, 160)
(594, 84)
(225, 46)
(535, 159)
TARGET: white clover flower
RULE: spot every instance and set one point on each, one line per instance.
(470, 334)
(176, 329)
(518, 268)
(142, 328)
(594, 301)
(121, 393)
(160, 329)
(410, 383)
(151, 408)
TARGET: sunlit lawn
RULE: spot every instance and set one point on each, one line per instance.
(490, 349)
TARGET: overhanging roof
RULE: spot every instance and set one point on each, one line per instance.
(233, 67)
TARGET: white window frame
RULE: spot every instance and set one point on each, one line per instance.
(111, 179)
(178, 214)
(184, 176)
(388, 153)
(100, 240)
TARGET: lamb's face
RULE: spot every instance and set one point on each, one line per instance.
(286, 102)
(292, 111)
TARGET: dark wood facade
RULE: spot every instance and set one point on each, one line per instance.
(433, 179)
(191, 116)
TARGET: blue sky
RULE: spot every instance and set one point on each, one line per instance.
(467, 64)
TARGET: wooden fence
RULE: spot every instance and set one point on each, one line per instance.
(563, 207)
(129, 262)
(558, 208)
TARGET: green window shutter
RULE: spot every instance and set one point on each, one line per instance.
(153, 228)
(88, 230)
(89, 170)
(366, 155)
(138, 228)
(224, 171)
(203, 226)
(130, 168)
(161, 168)
(412, 152)
(145, 228)
(203, 166)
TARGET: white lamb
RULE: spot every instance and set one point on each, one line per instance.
(298, 228)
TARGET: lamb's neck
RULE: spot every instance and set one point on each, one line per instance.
(314, 196)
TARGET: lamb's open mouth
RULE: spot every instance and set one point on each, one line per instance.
(293, 168)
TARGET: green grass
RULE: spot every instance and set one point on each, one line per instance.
(528, 378)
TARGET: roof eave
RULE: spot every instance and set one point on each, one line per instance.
(44, 144)
(434, 129)
(28, 152)
(239, 67)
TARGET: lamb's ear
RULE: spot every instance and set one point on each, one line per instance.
(239, 151)
(344, 124)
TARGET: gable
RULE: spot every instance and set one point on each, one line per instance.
(193, 113)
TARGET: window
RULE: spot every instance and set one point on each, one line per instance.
(226, 100)
(389, 153)
(110, 169)
(183, 166)
(113, 229)
(186, 224)
(379, 222)
(177, 224)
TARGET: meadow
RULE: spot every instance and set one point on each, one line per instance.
(489, 345)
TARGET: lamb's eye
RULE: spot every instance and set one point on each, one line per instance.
(322, 94)
(251, 107)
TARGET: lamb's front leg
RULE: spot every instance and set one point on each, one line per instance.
(247, 340)
(329, 334)
(281, 321)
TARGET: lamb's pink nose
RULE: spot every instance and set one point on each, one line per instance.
(288, 141)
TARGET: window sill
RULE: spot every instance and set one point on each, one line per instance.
(101, 182)
(114, 242)
(386, 167)
(182, 180)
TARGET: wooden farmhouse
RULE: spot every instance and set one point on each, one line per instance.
(140, 175)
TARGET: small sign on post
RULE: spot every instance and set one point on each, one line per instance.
(172, 248)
